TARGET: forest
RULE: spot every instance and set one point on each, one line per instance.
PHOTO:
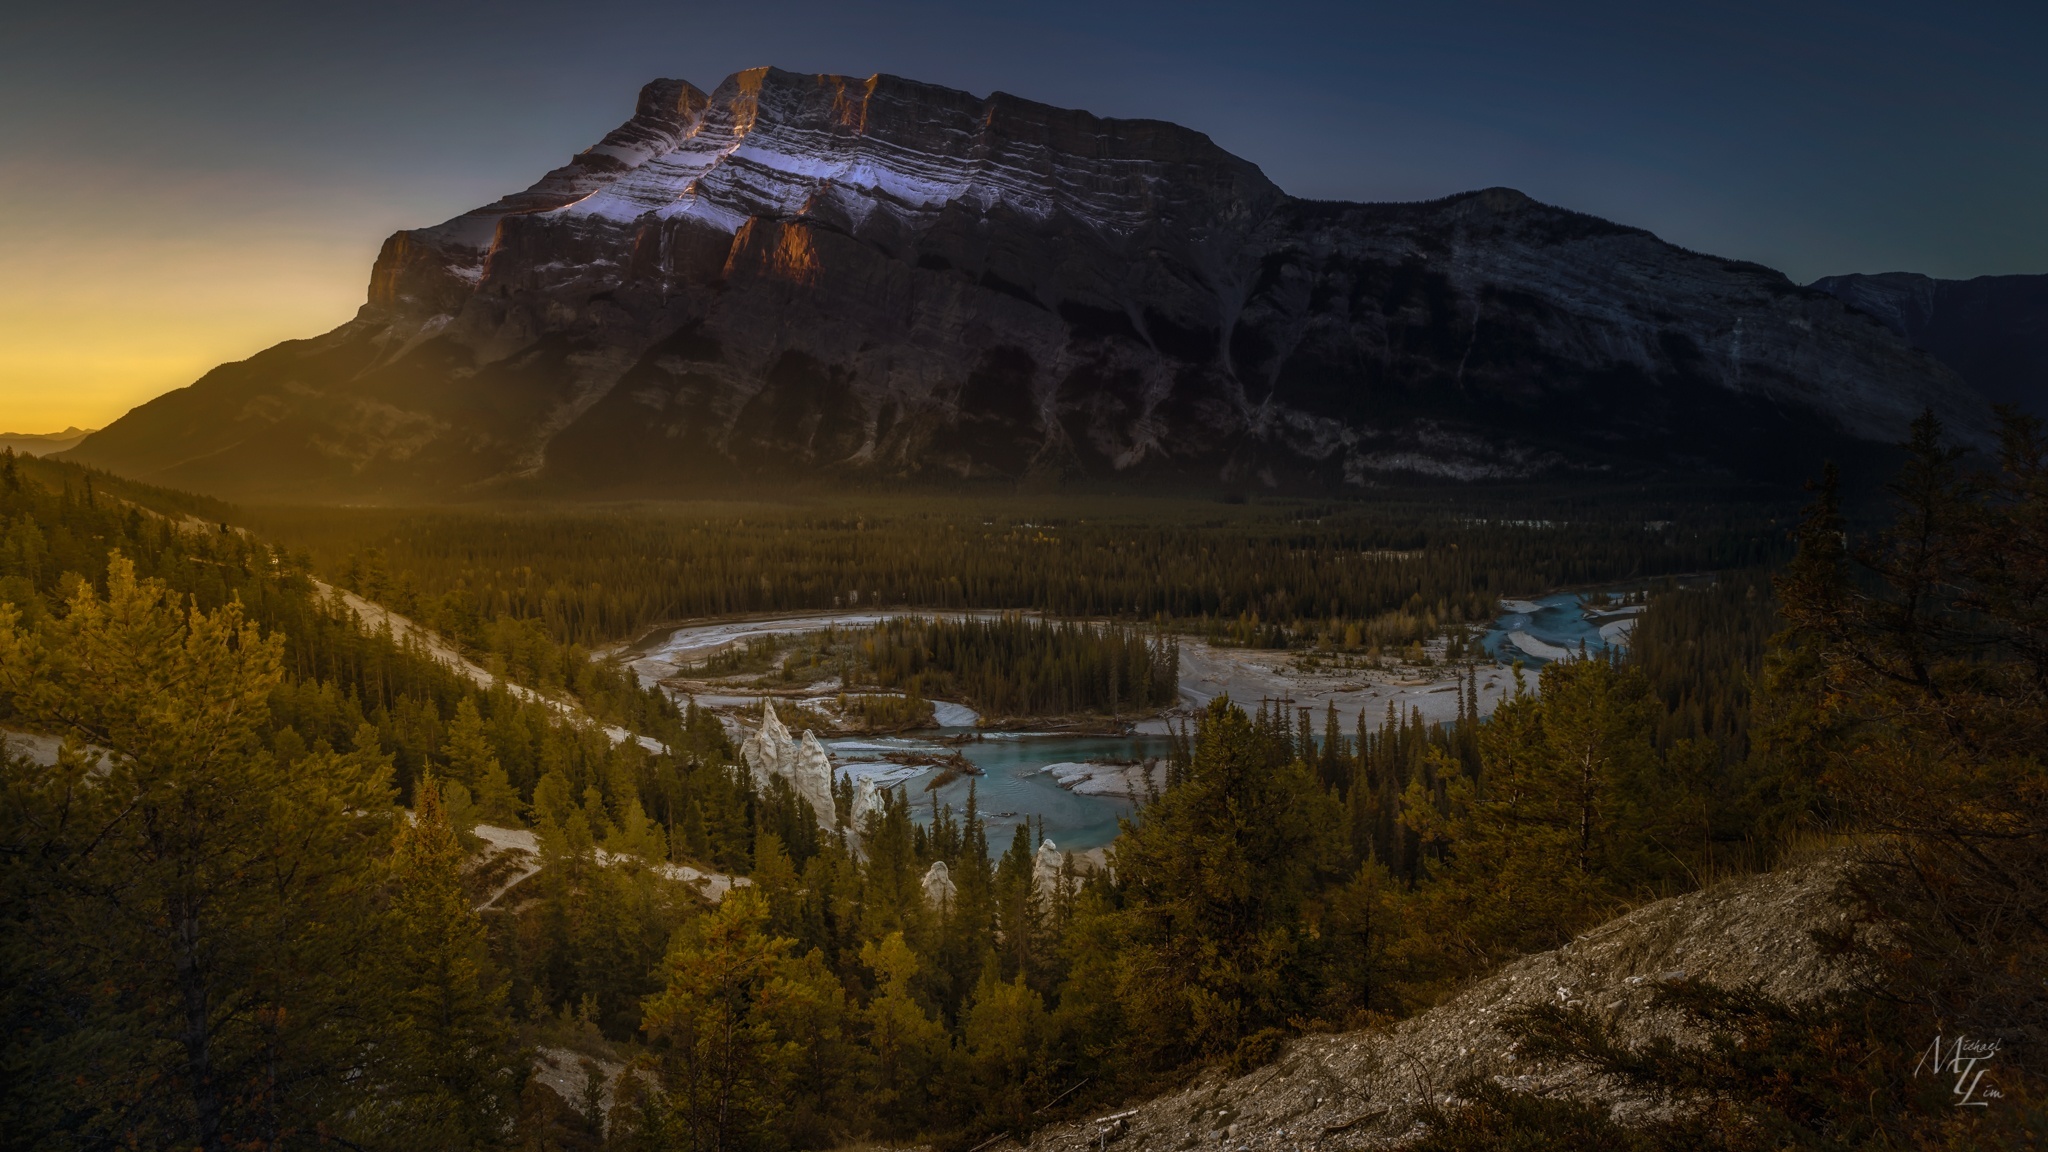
(1010, 666)
(1287, 572)
(238, 910)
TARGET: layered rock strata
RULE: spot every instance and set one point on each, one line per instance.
(794, 276)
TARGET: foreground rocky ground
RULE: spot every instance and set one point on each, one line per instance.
(1362, 1090)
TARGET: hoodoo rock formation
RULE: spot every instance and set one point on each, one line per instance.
(867, 800)
(939, 889)
(795, 275)
(804, 764)
(1047, 868)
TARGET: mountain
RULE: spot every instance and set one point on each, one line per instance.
(818, 277)
(43, 443)
(1992, 330)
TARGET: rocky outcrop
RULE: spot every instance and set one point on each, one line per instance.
(867, 799)
(771, 752)
(1047, 868)
(939, 889)
(1361, 1089)
(770, 748)
(1992, 330)
(795, 275)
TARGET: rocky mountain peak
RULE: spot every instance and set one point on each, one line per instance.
(794, 275)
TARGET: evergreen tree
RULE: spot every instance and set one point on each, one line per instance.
(1019, 912)
(724, 1066)
(1216, 877)
(449, 1064)
(188, 909)
(907, 1045)
(1553, 834)
(1918, 682)
(1004, 1037)
(473, 762)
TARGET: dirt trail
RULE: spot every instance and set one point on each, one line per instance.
(522, 848)
(375, 617)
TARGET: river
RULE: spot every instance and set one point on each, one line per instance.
(1015, 785)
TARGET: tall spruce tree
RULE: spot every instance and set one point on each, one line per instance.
(724, 1065)
(450, 1067)
(473, 762)
(1216, 876)
(192, 908)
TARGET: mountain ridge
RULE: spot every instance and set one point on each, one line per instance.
(1993, 330)
(800, 277)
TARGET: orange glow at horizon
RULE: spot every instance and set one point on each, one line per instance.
(87, 335)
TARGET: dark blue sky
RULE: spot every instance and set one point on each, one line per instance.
(183, 146)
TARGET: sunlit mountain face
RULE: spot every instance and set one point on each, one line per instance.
(796, 276)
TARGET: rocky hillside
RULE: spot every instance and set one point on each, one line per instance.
(798, 275)
(1992, 330)
(1361, 1090)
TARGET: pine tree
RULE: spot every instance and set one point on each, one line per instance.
(194, 905)
(724, 1066)
(1005, 1034)
(449, 1063)
(1215, 878)
(1555, 838)
(907, 1045)
(1019, 915)
(473, 763)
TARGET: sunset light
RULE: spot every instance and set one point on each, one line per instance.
(1137, 576)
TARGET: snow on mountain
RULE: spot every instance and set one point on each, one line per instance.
(797, 275)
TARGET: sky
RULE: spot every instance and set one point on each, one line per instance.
(182, 185)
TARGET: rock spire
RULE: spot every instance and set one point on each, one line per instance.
(804, 764)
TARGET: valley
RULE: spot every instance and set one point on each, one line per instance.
(976, 754)
(857, 614)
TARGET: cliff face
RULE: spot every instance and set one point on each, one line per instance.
(1992, 330)
(881, 278)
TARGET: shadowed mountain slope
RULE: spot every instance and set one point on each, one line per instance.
(1992, 330)
(798, 276)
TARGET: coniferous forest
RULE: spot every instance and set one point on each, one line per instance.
(1292, 572)
(1009, 666)
(244, 904)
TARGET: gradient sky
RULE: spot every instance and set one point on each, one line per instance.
(186, 184)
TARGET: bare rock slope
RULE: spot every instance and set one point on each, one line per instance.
(795, 275)
(1993, 330)
(1361, 1089)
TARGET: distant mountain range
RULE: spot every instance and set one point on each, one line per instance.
(1993, 330)
(43, 443)
(827, 279)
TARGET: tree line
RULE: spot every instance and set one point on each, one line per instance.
(1345, 575)
(1020, 666)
